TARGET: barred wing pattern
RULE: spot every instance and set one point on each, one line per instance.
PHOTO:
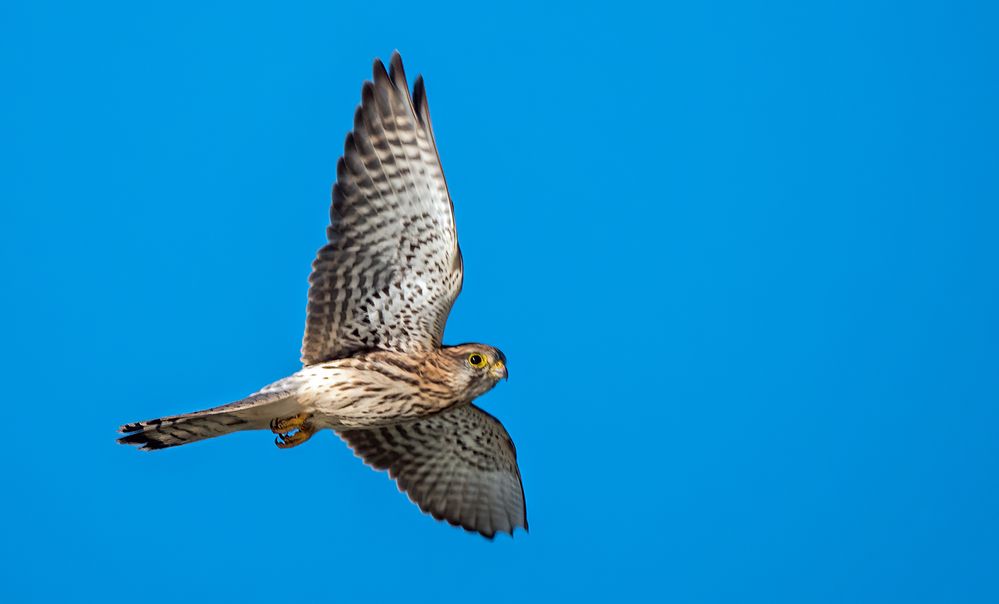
(459, 465)
(392, 268)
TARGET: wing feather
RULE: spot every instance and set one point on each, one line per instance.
(459, 465)
(391, 269)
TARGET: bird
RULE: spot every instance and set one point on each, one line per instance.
(374, 368)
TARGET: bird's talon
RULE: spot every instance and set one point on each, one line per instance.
(285, 425)
(295, 437)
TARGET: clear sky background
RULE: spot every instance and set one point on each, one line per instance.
(742, 259)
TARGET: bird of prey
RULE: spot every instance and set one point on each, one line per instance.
(374, 368)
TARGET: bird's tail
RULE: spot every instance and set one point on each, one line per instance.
(252, 413)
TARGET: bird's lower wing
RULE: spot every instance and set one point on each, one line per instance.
(459, 465)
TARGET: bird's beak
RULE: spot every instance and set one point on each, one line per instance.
(499, 370)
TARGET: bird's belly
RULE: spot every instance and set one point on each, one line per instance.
(348, 397)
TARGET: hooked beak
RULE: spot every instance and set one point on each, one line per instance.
(499, 371)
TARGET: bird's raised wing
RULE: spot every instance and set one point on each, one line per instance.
(459, 465)
(392, 268)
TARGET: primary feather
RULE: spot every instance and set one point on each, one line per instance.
(392, 268)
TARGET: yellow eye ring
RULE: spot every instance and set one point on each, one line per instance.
(477, 360)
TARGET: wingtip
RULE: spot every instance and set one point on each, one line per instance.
(359, 115)
(367, 97)
(398, 73)
(396, 61)
(512, 532)
(379, 72)
(420, 100)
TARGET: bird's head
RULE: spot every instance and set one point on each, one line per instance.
(475, 368)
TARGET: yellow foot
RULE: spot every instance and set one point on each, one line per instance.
(292, 431)
(283, 425)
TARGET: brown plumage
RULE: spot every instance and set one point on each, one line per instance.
(375, 370)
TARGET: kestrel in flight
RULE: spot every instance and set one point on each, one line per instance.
(374, 369)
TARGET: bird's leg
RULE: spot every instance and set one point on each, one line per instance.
(283, 425)
(292, 431)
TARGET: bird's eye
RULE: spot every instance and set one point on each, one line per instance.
(476, 360)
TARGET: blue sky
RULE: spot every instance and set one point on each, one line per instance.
(741, 258)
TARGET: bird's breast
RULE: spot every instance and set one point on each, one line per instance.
(350, 393)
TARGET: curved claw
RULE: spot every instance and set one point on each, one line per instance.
(287, 440)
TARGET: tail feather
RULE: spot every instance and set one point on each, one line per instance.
(252, 413)
(163, 433)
